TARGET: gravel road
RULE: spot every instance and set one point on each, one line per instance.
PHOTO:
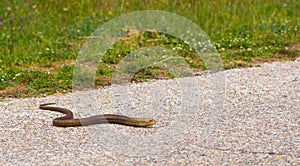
(244, 116)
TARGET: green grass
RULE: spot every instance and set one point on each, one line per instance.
(40, 40)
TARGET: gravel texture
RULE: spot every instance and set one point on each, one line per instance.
(236, 117)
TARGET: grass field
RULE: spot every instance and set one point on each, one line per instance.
(40, 40)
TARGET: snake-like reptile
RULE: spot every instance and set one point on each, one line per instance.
(69, 121)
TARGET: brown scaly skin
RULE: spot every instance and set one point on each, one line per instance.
(69, 121)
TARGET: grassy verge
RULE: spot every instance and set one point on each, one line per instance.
(40, 40)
